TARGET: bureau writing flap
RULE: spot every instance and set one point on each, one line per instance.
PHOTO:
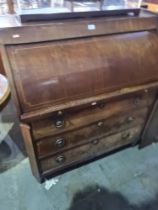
(57, 72)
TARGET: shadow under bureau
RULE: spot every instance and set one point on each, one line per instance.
(82, 93)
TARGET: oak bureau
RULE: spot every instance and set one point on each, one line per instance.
(82, 92)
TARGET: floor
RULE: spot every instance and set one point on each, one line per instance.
(126, 180)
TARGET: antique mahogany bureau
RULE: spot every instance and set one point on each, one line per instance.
(82, 87)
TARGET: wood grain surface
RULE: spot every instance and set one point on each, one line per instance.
(91, 150)
(82, 93)
(75, 119)
(103, 127)
(61, 72)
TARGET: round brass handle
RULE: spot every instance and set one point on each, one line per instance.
(137, 100)
(60, 159)
(102, 105)
(100, 124)
(60, 142)
(130, 119)
(59, 123)
(126, 135)
(60, 113)
(96, 141)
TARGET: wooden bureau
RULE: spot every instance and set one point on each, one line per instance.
(82, 93)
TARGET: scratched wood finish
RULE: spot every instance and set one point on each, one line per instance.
(91, 150)
(74, 119)
(99, 59)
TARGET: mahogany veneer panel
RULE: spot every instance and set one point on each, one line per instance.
(59, 70)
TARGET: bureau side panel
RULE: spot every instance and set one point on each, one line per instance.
(26, 132)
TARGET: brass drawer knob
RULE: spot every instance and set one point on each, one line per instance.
(96, 141)
(60, 159)
(100, 124)
(137, 101)
(126, 135)
(59, 123)
(60, 113)
(60, 142)
(101, 105)
(130, 119)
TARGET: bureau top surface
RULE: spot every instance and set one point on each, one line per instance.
(12, 31)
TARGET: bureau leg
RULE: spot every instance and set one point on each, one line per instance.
(135, 142)
(26, 132)
(150, 134)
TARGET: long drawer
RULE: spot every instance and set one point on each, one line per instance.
(105, 127)
(75, 119)
(91, 150)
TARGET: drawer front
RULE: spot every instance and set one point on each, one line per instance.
(93, 149)
(101, 128)
(74, 119)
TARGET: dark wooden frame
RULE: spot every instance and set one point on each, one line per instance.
(26, 17)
